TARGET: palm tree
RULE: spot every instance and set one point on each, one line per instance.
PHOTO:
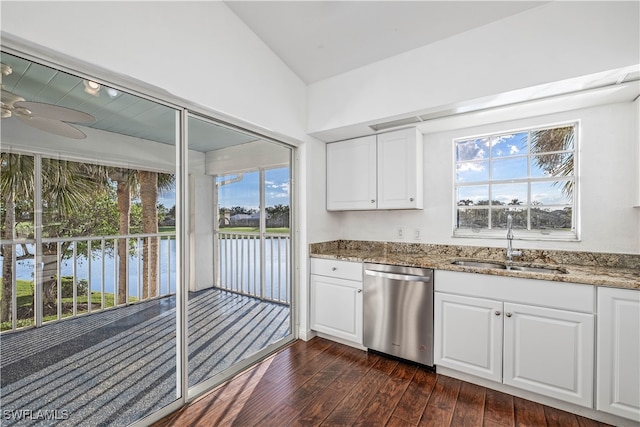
(125, 180)
(16, 182)
(559, 164)
(65, 185)
(151, 183)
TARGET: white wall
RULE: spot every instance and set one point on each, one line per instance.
(195, 50)
(608, 170)
(556, 41)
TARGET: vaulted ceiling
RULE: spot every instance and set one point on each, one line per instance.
(320, 39)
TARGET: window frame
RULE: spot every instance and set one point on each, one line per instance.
(519, 233)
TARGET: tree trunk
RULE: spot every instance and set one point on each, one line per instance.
(124, 207)
(50, 258)
(7, 259)
(149, 199)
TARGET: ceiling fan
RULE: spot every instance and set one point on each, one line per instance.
(47, 117)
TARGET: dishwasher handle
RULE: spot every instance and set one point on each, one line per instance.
(397, 276)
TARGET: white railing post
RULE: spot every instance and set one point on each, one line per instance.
(59, 278)
(116, 268)
(89, 296)
(102, 272)
(14, 290)
(75, 278)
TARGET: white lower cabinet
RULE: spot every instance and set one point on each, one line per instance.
(549, 352)
(336, 299)
(618, 352)
(468, 335)
(545, 350)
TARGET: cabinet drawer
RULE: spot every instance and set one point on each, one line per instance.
(335, 268)
(543, 293)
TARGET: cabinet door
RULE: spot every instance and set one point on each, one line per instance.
(549, 352)
(618, 349)
(400, 166)
(351, 174)
(336, 307)
(468, 335)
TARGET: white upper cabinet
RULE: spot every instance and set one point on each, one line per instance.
(376, 172)
(400, 176)
(351, 174)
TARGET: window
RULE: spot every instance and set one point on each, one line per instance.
(528, 174)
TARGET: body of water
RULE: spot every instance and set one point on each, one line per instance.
(91, 269)
(239, 268)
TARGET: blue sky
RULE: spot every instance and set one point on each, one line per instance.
(509, 162)
(246, 193)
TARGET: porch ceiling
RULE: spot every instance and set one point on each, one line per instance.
(115, 111)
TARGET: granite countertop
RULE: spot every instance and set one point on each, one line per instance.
(599, 269)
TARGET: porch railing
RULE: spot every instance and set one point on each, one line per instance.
(83, 272)
(240, 256)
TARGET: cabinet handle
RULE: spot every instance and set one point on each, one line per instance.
(508, 314)
(411, 199)
(373, 201)
(497, 313)
(359, 290)
(334, 268)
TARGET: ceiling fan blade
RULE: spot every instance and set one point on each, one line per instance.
(55, 112)
(53, 126)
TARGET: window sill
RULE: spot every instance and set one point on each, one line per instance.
(555, 236)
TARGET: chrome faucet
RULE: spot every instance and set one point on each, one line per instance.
(510, 252)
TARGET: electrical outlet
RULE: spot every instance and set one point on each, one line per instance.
(417, 233)
(400, 233)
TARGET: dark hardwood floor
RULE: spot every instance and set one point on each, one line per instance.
(322, 383)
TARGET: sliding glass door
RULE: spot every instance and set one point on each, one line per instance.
(239, 300)
(89, 283)
(145, 251)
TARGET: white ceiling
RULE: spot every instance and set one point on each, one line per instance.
(114, 111)
(320, 39)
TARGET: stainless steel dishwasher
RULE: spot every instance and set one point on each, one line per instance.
(398, 311)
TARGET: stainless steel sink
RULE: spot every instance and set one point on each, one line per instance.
(479, 264)
(538, 269)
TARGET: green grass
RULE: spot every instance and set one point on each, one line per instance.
(24, 297)
(282, 230)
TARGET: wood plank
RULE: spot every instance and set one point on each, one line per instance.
(360, 366)
(378, 412)
(323, 383)
(280, 415)
(587, 422)
(319, 381)
(469, 410)
(316, 412)
(415, 398)
(558, 418)
(528, 413)
(398, 422)
(499, 409)
(442, 401)
(349, 409)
